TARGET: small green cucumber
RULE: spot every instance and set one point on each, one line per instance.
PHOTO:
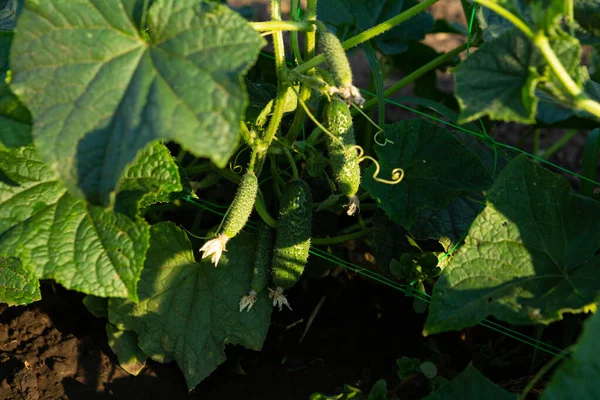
(335, 56)
(292, 242)
(343, 157)
(242, 206)
(262, 257)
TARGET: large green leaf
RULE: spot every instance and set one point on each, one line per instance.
(125, 346)
(363, 15)
(529, 256)
(578, 377)
(58, 236)
(15, 120)
(187, 310)
(541, 14)
(471, 384)
(99, 92)
(437, 169)
(499, 80)
(18, 285)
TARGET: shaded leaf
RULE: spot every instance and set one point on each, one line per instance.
(578, 377)
(18, 285)
(437, 169)
(99, 91)
(188, 311)
(363, 15)
(125, 346)
(499, 80)
(528, 258)
(471, 384)
(97, 306)
(15, 120)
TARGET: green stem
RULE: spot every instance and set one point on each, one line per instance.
(292, 162)
(543, 371)
(280, 26)
(294, 8)
(261, 209)
(278, 109)
(246, 134)
(516, 21)
(571, 16)
(559, 144)
(229, 175)
(340, 239)
(541, 41)
(370, 33)
(413, 76)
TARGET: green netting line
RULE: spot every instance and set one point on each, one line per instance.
(407, 289)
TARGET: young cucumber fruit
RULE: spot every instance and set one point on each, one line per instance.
(242, 205)
(292, 242)
(343, 157)
(339, 66)
(262, 261)
(236, 219)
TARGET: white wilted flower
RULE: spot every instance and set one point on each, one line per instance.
(279, 300)
(214, 248)
(248, 301)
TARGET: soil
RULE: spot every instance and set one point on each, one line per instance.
(55, 349)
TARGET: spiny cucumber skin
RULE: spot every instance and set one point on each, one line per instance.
(262, 258)
(335, 56)
(293, 234)
(343, 157)
(242, 205)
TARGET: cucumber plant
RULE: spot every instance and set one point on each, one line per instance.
(112, 111)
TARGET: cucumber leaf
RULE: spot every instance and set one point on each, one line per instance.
(125, 346)
(188, 310)
(578, 377)
(58, 236)
(364, 15)
(499, 80)
(18, 285)
(15, 120)
(529, 256)
(100, 90)
(471, 384)
(438, 168)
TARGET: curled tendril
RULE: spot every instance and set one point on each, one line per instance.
(385, 140)
(379, 130)
(397, 173)
(234, 166)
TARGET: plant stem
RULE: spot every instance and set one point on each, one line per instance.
(582, 101)
(543, 371)
(370, 33)
(340, 239)
(280, 26)
(559, 144)
(282, 85)
(298, 121)
(571, 16)
(516, 21)
(292, 162)
(414, 76)
(294, 9)
(261, 209)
